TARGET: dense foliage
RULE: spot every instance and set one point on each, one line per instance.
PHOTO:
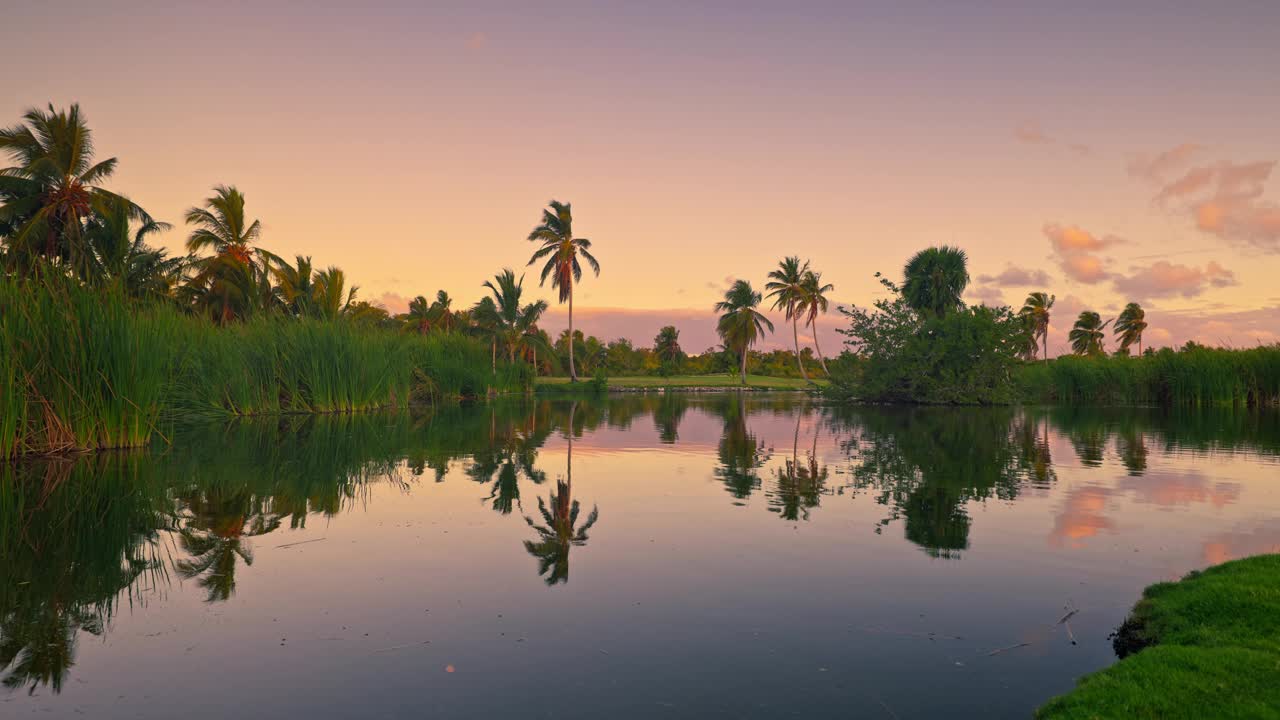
(900, 354)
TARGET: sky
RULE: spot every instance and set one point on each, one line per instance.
(1103, 154)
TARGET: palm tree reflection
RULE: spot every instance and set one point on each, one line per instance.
(740, 452)
(560, 531)
(215, 534)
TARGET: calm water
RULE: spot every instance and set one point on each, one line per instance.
(632, 557)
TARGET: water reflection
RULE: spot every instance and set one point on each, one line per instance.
(80, 537)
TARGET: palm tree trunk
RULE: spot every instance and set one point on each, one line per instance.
(821, 360)
(535, 362)
(573, 372)
(1044, 339)
(744, 366)
(493, 359)
(795, 336)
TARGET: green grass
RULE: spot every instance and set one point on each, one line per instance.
(757, 382)
(1210, 648)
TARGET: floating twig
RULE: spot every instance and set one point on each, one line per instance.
(300, 542)
(997, 651)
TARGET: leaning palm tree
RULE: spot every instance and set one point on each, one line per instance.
(740, 324)
(935, 278)
(1088, 334)
(1130, 326)
(786, 287)
(1037, 307)
(48, 195)
(561, 250)
(666, 345)
(517, 324)
(815, 304)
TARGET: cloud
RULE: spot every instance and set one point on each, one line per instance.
(1165, 279)
(1013, 276)
(1031, 133)
(1155, 168)
(1224, 199)
(1075, 250)
(986, 295)
(477, 41)
(395, 303)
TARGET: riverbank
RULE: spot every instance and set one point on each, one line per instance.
(687, 383)
(1205, 646)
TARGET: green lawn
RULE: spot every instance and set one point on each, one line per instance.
(759, 382)
(1213, 650)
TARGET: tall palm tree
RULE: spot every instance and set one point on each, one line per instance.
(1130, 326)
(740, 324)
(562, 250)
(1088, 334)
(786, 287)
(517, 324)
(47, 196)
(1037, 307)
(935, 278)
(815, 304)
(666, 344)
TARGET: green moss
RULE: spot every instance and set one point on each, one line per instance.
(1206, 646)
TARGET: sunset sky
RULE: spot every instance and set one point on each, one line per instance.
(1100, 154)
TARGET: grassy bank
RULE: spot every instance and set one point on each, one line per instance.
(87, 370)
(1196, 376)
(755, 382)
(1207, 646)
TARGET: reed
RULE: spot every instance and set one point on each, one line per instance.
(1192, 377)
(82, 369)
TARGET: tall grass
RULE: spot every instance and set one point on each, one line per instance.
(88, 370)
(1194, 377)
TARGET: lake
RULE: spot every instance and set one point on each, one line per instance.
(632, 556)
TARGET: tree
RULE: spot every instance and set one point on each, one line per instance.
(666, 345)
(294, 288)
(935, 278)
(486, 324)
(1037, 307)
(1130, 326)
(561, 250)
(786, 287)
(740, 324)
(1088, 334)
(236, 279)
(517, 325)
(50, 192)
(120, 255)
(815, 304)
(329, 296)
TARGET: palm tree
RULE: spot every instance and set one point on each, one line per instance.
(237, 276)
(120, 255)
(562, 249)
(441, 312)
(329, 297)
(517, 325)
(294, 285)
(418, 319)
(1130, 326)
(786, 287)
(47, 196)
(815, 304)
(935, 279)
(1088, 334)
(487, 324)
(740, 324)
(666, 345)
(1037, 307)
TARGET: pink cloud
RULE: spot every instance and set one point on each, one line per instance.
(1030, 132)
(1013, 276)
(1225, 199)
(1165, 279)
(986, 295)
(1156, 168)
(395, 303)
(1076, 250)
